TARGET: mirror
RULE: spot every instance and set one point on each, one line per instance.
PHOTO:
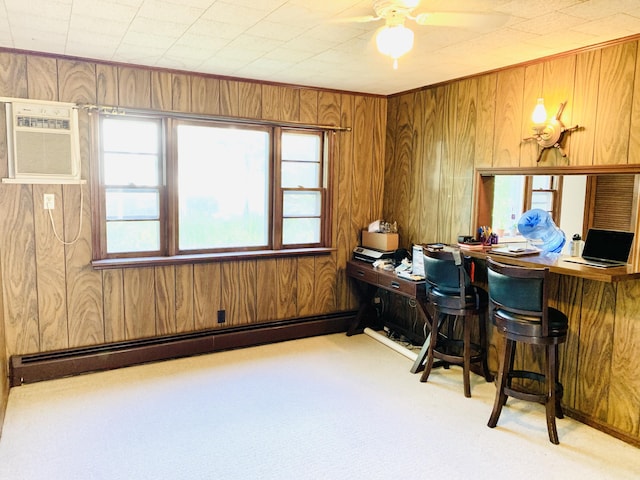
(577, 199)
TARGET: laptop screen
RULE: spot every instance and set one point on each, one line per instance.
(607, 245)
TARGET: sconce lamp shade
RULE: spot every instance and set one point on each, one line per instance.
(539, 115)
(394, 41)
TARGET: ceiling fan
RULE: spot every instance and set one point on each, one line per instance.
(395, 39)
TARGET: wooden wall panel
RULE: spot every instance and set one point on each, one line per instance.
(634, 131)
(165, 292)
(250, 100)
(84, 284)
(13, 75)
(361, 198)
(184, 298)
(390, 205)
(239, 292)
(533, 89)
(106, 84)
(207, 294)
(134, 87)
(280, 103)
(463, 160)
(308, 106)
(485, 121)
(229, 98)
(76, 81)
(615, 99)
(181, 93)
(346, 235)
(18, 253)
(139, 302)
(50, 268)
(113, 305)
(585, 105)
(287, 287)
(376, 119)
(596, 334)
(414, 180)
(400, 181)
(42, 78)
(624, 391)
(325, 284)
(305, 279)
(161, 90)
(267, 292)
(508, 118)
(430, 168)
(205, 95)
(446, 207)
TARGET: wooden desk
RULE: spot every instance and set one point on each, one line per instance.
(556, 264)
(368, 281)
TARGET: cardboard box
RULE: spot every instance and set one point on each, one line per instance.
(385, 242)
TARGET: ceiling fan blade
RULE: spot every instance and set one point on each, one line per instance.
(462, 19)
(361, 19)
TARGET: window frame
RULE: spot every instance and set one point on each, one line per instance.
(169, 252)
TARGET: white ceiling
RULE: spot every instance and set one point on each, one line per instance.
(304, 42)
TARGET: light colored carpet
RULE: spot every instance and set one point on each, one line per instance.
(332, 407)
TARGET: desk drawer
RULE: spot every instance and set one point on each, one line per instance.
(396, 284)
(366, 273)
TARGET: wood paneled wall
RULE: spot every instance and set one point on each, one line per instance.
(54, 299)
(437, 136)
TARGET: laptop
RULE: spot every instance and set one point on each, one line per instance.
(605, 248)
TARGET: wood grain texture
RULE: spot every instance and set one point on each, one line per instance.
(205, 95)
(4, 153)
(181, 93)
(139, 303)
(50, 267)
(267, 292)
(377, 115)
(134, 87)
(430, 166)
(326, 272)
(624, 389)
(239, 292)
(161, 90)
(308, 106)
(42, 78)
(507, 133)
(634, 131)
(106, 84)
(305, 279)
(389, 205)
(533, 89)
(18, 261)
(250, 100)
(84, 284)
(229, 98)
(596, 334)
(346, 237)
(165, 290)
(362, 158)
(585, 106)
(184, 291)
(569, 302)
(416, 161)
(446, 206)
(76, 81)
(207, 294)
(113, 304)
(485, 121)
(287, 287)
(615, 100)
(13, 75)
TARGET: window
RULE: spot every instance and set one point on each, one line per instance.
(175, 186)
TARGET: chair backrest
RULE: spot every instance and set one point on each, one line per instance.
(522, 293)
(444, 270)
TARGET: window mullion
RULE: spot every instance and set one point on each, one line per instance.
(277, 195)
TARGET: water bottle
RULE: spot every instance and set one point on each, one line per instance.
(576, 246)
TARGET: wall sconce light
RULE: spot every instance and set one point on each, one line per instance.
(549, 134)
(394, 41)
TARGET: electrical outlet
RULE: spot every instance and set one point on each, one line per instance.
(222, 316)
(49, 201)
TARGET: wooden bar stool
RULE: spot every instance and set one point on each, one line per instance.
(454, 299)
(518, 307)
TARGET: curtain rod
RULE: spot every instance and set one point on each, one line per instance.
(111, 110)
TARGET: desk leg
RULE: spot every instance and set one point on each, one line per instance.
(424, 351)
(366, 292)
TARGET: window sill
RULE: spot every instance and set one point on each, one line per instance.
(136, 262)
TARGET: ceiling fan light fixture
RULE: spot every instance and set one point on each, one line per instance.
(394, 41)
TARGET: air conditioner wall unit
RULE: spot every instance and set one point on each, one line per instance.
(42, 141)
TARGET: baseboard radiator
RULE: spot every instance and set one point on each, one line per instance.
(37, 367)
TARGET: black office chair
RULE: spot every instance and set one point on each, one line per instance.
(452, 297)
(518, 307)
